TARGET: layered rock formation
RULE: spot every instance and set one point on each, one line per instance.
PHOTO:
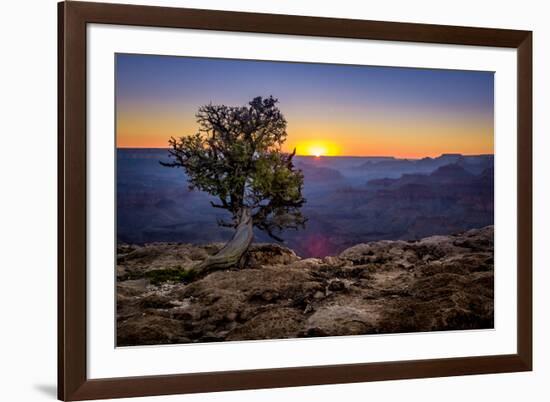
(437, 283)
(350, 200)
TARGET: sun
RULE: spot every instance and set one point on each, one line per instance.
(317, 150)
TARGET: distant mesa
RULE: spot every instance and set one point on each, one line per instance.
(474, 164)
(451, 173)
(319, 174)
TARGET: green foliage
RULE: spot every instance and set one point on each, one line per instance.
(236, 156)
(159, 276)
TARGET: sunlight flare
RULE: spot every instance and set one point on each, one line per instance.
(317, 148)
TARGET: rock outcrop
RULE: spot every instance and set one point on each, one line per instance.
(435, 284)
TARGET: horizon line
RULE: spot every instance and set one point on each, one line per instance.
(342, 156)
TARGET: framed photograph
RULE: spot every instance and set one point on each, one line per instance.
(253, 200)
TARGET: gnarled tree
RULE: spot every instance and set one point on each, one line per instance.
(236, 156)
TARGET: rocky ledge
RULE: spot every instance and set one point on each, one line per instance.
(434, 284)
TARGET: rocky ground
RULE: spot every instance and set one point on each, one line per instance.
(437, 283)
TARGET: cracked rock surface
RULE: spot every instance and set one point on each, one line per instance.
(434, 284)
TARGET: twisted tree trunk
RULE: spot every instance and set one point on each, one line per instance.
(233, 251)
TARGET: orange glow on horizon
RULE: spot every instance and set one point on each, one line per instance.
(317, 148)
(402, 139)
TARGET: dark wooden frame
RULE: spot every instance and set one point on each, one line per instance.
(73, 383)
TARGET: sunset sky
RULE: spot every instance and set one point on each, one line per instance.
(330, 109)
